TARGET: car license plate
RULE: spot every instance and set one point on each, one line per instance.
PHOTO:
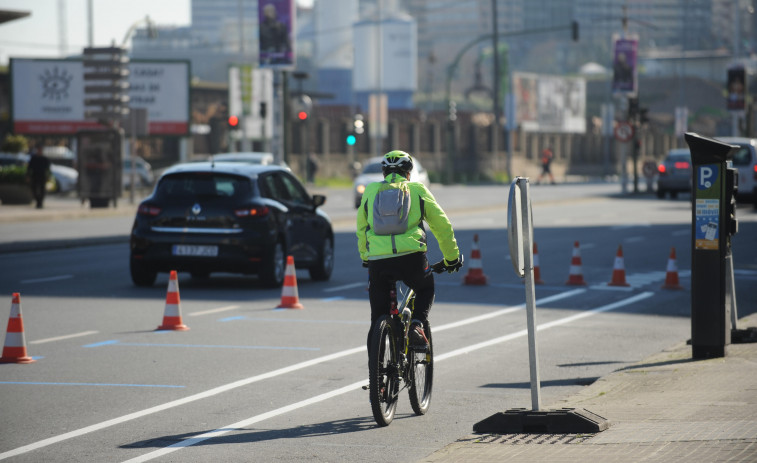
(194, 250)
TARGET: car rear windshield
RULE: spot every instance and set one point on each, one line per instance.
(675, 157)
(203, 186)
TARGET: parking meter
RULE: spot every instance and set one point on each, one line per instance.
(713, 223)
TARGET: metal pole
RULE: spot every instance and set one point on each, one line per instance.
(495, 84)
(528, 267)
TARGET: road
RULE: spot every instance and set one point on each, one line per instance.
(250, 382)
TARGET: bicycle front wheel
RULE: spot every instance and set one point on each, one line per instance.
(383, 381)
(422, 375)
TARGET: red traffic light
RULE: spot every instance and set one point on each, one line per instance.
(233, 121)
(302, 115)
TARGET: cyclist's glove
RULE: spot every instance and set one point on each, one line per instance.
(454, 265)
(365, 264)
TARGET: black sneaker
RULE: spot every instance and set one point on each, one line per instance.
(418, 339)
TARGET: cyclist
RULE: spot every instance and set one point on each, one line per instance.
(402, 256)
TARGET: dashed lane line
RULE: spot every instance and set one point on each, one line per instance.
(244, 382)
(354, 386)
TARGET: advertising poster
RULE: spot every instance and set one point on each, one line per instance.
(624, 66)
(277, 21)
(707, 207)
(47, 96)
(545, 103)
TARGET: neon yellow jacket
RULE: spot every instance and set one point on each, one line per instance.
(423, 207)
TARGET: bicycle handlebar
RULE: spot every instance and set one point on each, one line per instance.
(438, 267)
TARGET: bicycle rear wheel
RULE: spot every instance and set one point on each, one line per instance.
(422, 375)
(383, 381)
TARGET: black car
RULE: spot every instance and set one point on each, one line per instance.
(229, 217)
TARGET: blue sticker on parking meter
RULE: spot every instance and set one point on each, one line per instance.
(707, 224)
(707, 176)
(707, 207)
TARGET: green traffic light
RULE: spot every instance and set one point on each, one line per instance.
(351, 140)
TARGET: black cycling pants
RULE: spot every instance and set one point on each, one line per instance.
(409, 269)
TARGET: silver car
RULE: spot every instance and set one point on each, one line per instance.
(674, 173)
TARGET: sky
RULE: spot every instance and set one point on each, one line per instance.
(37, 36)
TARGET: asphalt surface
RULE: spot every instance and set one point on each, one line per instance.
(668, 407)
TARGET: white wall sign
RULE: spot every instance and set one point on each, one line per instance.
(47, 96)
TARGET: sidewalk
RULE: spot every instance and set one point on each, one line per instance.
(667, 408)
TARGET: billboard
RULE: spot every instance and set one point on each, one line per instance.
(47, 96)
(546, 103)
(277, 21)
(624, 66)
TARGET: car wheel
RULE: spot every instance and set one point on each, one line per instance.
(660, 193)
(141, 274)
(274, 267)
(357, 202)
(321, 271)
(673, 194)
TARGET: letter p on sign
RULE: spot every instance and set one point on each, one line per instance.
(706, 177)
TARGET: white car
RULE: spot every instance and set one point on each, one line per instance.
(254, 157)
(372, 173)
(143, 175)
(65, 177)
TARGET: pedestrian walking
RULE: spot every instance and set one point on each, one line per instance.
(37, 173)
(546, 161)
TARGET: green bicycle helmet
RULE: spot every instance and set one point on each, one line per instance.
(397, 161)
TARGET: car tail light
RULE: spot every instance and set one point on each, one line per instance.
(661, 168)
(255, 211)
(755, 171)
(682, 165)
(146, 209)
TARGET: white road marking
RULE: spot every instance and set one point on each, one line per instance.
(349, 286)
(46, 279)
(210, 311)
(243, 382)
(351, 387)
(61, 338)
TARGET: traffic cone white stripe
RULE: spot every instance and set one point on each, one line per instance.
(172, 313)
(475, 275)
(671, 275)
(289, 296)
(14, 350)
(618, 270)
(575, 276)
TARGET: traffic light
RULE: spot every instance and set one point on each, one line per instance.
(233, 122)
(574, 30)
(358, 126)
(302, 116)
(633, 108)
(351, 140)
(643, 115)
(452, 111)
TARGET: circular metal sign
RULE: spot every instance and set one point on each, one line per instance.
(623, 131)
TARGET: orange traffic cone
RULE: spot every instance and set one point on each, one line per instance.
(14, 350)
(475, 275)
(289, 297)
(537, 271)
(671, 276)
(618, 270)
(576, 276)
(172, 315)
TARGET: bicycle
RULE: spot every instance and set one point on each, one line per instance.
(394, 365)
